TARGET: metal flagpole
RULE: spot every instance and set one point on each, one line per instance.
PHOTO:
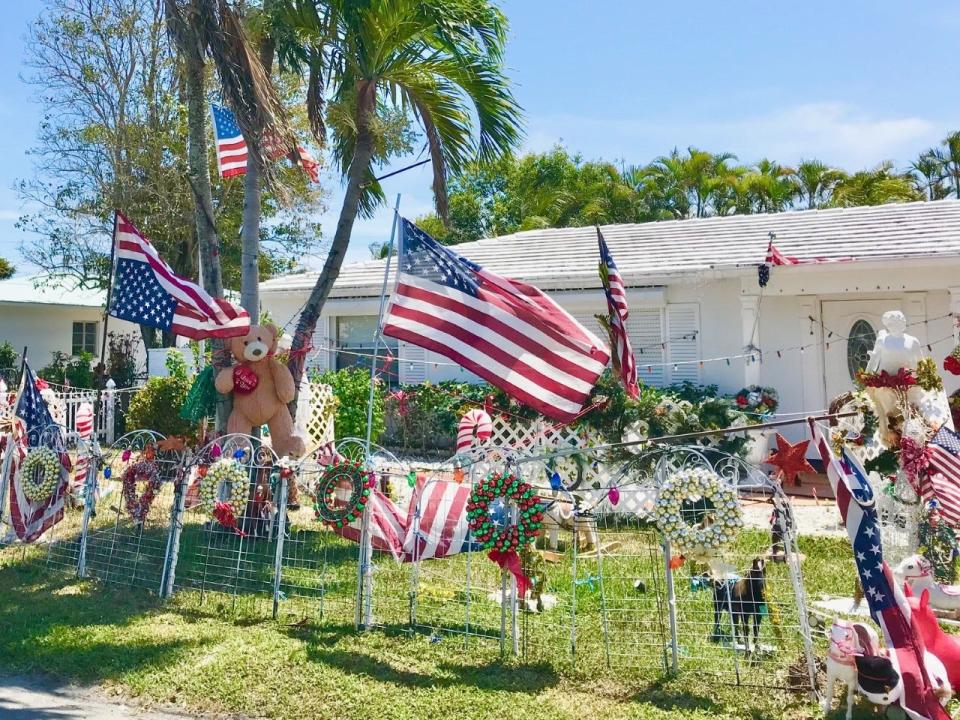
(101, 381)
(365, 569)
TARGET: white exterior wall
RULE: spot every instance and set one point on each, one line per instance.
(45, 329)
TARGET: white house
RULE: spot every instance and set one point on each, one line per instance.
(696, 309)
(47, 319)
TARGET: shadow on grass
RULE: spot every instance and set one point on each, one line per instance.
(662, 696)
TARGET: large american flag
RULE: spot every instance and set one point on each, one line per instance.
(887, 603)
(942, 481)
(507, 332)
(29, 519)
(147, 292)
(232, 148)
(616, 293)
(776, 257)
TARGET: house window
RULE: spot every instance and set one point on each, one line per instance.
(84, 338)
(354, 346)
(860, 343)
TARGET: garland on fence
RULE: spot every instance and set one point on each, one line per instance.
(698, 512)
(227, 471)
(327, 508)
(40, 474)
(139, 507)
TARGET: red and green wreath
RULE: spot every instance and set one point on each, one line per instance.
(139, 506)
(757, 399)
(334, 511)
(529, 512)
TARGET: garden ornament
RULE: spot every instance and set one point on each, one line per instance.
(917, 572)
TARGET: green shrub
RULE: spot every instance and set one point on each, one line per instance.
(157, 405)
(76, 372)
(351, 388)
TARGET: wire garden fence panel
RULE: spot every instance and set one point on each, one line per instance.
(609, 595)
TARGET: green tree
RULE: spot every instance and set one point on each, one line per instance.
(814, 182)
(689, 185)
(770, 187)
(875, 187)
(439, 63)
(950, 157)
(930, 173)
(7, 270)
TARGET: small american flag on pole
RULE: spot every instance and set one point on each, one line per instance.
(232, 148)
(942, 481)
(507, 332)
(886, 600)
(623, 361)
(147, 292)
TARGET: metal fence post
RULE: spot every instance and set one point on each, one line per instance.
(671, 609)
(109, 404)
(89, 501)
(281, 533)
(176, 528)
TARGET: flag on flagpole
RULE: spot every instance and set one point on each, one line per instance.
(886, 600)
(147, 292)
(942, 481)
(31, 519)
(232, 148)
(624, 362)
(509, 333)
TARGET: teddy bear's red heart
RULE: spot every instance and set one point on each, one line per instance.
(245, 380)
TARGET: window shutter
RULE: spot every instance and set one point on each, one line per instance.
(645, 328)
(413, 365)
(320, 357)
(683, 342)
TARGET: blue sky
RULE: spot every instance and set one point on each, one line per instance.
(851, 83)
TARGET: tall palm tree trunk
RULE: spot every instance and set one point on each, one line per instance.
(250, 241)
(359, 167)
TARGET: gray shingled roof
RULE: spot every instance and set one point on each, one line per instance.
(654, 252)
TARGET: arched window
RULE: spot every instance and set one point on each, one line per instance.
(859, 345)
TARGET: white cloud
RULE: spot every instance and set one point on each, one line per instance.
(9, 215)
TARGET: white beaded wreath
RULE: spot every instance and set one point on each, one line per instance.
(224, 471)
(40, 474)
(694, 484)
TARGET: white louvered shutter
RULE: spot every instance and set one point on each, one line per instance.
(413, 365)
(683, 342)
(320, 357)
(645, 327)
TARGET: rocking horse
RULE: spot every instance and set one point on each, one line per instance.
(855, 659)
(917, 572)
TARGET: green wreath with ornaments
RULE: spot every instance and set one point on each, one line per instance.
(335, 511)
(40, 474)
(698, 512)
(529, 512)
(232, 473)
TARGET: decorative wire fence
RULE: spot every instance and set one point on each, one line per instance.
(606, 597)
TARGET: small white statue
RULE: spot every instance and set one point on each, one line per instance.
(917, 572)
(894, 349)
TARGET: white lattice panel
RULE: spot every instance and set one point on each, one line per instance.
(323, 407)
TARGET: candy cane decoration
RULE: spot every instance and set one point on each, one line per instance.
(84, 422)
(475, 424)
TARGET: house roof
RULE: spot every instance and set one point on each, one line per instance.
(648, 253)
(38, 290)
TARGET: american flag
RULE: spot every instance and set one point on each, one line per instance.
(146, 291)
(775, 257)
(232, 148)
(887, 603)
(507, 332)
(616, 293)
(30, 520)
(942, 482)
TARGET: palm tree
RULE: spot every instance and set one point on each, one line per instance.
(929, 173)
(814, 182)
(875, 187)
(951, 159)
(689, 183)
(439, 62)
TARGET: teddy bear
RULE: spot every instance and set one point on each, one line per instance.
(261, 386)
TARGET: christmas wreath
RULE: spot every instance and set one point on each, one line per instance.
(697, 511)
(757, 399)
(40, 474)
(483, 524)
(334, 511)
(233, 473)
(143, 471)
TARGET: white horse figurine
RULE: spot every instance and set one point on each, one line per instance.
(856, 660)
(917, 572)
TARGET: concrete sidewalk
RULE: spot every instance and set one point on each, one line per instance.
(37, 698)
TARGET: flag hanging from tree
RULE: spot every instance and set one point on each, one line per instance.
(886, 600)
(147, 292)
(232, 148)
(624, 364)
(507, 332)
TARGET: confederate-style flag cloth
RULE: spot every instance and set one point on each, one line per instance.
(147, 292)
(624, 363)
(29, 519)
(885, 598)
(507, 332)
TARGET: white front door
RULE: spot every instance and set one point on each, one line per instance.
(850, 328)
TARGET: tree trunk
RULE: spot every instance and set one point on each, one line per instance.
(359, 166)
(250, 241)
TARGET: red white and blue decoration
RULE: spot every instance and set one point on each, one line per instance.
(147, 292)
(942, 481)
(507, 332)
(613, 287)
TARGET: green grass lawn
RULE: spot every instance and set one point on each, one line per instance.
(214, 646)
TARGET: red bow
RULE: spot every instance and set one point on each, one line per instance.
(914, 459)
(509, 560)
(223, 514)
